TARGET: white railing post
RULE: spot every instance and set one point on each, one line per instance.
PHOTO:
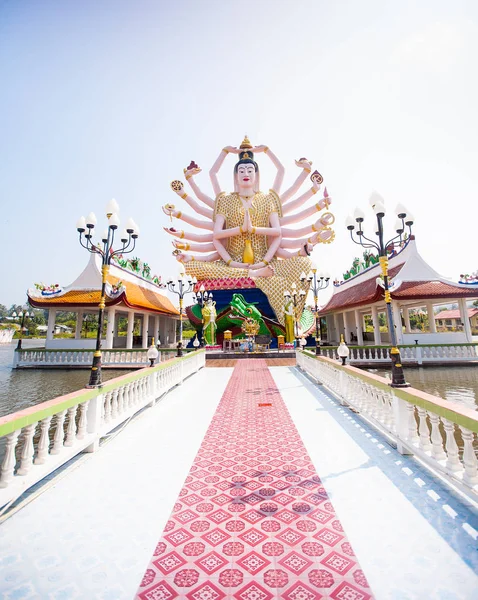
(93, 421)
(44, 443)
(27, 450)
(470, 462)
(8, 464)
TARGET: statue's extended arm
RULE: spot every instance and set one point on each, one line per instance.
(298, 202)
(185, 258)
(276, 186)
(191, 220)
(189, 174)
(202, 210)
(217, 165)
(194, 247)
(187, 235)
(326, 220)
(307, 212)
(294, 188)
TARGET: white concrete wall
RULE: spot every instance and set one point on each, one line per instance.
(72, 344)
(452, 337)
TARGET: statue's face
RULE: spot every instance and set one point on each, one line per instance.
(246, 175)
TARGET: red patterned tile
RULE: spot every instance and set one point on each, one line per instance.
(253, 562)
(206, 591)
(211, 562)
(252, 537)
(300, 591)
(178, 537)
(169, 562)
(295, 562)
(159, 591)
(347, 591)
(253, 591)
(338, 563)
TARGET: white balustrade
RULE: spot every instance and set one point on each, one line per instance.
(418, 427)
(100, 411)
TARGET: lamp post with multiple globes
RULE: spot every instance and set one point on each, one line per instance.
(104, 248)
(404, 221)
(317, 282)
(24, 314)
(185, 286)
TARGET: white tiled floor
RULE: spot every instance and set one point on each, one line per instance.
(92, 532)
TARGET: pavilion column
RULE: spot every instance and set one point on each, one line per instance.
(110, 327)
(397, 317)
(465, 319)
(144, 339)
(51, 324)
(156, 329)
(347, 329)
(163, 330)
(336, 328)
(79, 325)
(129, 333)
(377, 338)
(406, 316)
(174, 328)
(359, 327)
(431, 318)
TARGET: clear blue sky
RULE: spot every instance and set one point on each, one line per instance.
(103, 99)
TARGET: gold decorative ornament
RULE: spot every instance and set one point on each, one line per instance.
(266, 150)
(184, 196)
(313, 190)
(245, 155)
(177, 185)
(170, 207)
(226, 151)
(246, 144)
(316, 177)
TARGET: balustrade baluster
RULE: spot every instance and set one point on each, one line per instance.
(453, 462)
(59, 433)
(44, 442)
(8, 464)
(423, 430)
(114, 405)
(71, 429)
(121, 400)
(107, 404)
(437, 441)
(412, 425)
(470, 462)
(27, 450)
(82, 422)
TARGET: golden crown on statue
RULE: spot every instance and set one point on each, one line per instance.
(250, 327)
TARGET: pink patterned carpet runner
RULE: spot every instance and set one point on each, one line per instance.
(253, 521)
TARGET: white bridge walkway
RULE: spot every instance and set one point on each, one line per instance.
(90, 530)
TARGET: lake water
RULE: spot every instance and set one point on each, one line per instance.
(20, 388)
(456, 384)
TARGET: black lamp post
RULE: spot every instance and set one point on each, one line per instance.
(318, 282)
(23, 315)
(85, 228)
(403, 221)
(185, 286)
(201, 297)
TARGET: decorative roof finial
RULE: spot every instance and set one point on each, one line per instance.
(246, 144)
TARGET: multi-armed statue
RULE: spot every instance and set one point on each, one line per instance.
(247, 231)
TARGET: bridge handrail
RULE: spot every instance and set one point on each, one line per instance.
(76, 422)
(441, 433)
